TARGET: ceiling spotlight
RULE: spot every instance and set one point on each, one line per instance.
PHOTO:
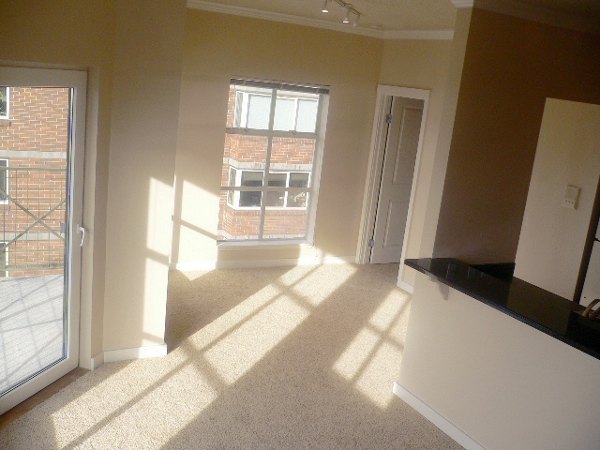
(325, 8)
(347, 16)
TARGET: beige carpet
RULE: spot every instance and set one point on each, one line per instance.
(295, 358)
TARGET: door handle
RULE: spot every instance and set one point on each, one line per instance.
(83, 232)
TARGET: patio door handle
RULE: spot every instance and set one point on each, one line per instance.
(83, 232)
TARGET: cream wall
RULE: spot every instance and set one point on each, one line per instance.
(218, 47)
(553, 237)
(74, 34)
(134, 125)
(145, 108)
(422, 64)
(511, 66)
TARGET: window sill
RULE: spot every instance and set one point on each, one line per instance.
(272, 243)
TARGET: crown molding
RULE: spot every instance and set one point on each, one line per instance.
(317, 23)
(440, 35)
(539, 14)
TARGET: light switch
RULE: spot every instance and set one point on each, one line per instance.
(571, 197)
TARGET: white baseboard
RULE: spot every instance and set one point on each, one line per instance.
(249, 264)
(97, 361)
(406, 287)
(151, 351)
(438, 420)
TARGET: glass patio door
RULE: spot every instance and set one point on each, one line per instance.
(41, 174)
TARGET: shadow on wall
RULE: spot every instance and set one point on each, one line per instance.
(272, 358)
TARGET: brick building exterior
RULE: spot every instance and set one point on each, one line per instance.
(34, 138)
(244, 156)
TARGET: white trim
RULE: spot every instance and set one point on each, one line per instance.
(202, 266)
(318, 23)
(548, 16)
(95, 362)
(437, 419)
(151, 351)
(406, 287)
(374, 167)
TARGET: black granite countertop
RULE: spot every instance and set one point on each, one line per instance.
(543, 310)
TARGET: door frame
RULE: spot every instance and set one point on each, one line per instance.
(71, 78)
(373, 181)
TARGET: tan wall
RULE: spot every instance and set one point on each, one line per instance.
(218, 47)
(553, 237)
(422, 65)
(145, 104)
(511, 66)
(500, 381)
(76, 34)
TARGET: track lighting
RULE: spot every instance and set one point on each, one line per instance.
(347, 16)
(352, 14)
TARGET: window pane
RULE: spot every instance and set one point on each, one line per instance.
(285, 114)
(259, 109)
(297, 199)
(237, 224)
(277, 179)
(292, 154)
(3, 100)
(275, 199)
(250, 199)
(253, 179)
(298, 180)
(3, 179)
(285, 224)
(307, 115)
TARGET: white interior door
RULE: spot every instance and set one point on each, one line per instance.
(403, 130)
(41, 198)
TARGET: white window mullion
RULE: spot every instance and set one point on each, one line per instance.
(267, 164)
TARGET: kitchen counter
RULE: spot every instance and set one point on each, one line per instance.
(547, 312)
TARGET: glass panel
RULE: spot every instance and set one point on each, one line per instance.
(276, 198)
(297, 199)
(285, 114)
(3, 101)
(307, 115)
(242, 152)
(259, 110)
(292, 154)
(33, 220)
(298, 180)
(3, 179)
(235, 223)
(285, 224)
(250, 199)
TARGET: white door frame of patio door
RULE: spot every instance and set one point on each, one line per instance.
(77, 80)
(384, 92)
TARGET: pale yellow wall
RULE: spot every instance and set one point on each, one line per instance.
(500, 381)
(145, 107)
(73, 34)
(553, 237)
(218, 47)
(511, 66)
(420, 64)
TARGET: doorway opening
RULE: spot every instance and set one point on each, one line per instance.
(396, 144)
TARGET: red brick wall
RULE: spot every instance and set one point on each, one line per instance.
(39, 121)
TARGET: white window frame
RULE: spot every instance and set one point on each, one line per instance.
(7, 115)
(314, 176)
(238, 182)
(5, 201)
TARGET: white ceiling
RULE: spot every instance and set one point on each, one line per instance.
(389, 16)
